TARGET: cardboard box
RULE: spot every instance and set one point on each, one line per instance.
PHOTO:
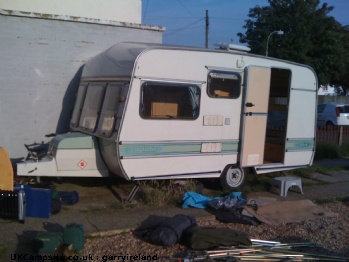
(159, 109)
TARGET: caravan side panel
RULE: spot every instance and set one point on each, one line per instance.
(175, 147)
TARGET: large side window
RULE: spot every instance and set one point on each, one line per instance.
(224, 85)
(170, 101)
(91, 107)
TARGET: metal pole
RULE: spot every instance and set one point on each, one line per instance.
(266, 52)
(279, 33)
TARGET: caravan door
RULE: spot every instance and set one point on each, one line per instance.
(254, 118)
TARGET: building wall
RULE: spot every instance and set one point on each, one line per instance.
(40, 65)
(115, 10)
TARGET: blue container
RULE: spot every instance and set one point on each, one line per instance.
(38, 202)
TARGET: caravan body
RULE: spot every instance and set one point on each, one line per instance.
(164, 112)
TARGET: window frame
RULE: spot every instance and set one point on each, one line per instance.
(98, 108)
(228, 75)
(162, 85)
(79, 103)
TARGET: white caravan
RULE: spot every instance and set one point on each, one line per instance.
(147, 111)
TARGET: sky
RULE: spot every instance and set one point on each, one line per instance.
(184, 20)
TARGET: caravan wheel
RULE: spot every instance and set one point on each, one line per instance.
(233, 177)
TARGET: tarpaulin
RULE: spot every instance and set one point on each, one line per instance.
(192, 199)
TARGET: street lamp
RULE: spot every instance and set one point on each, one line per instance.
(280, 32)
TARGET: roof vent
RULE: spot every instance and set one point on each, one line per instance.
(232, 47)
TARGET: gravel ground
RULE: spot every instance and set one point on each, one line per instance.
(330, 233)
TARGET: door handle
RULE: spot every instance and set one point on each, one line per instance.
(249, 104)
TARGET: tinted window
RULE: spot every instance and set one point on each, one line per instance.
(343, 109)
(170, 101)
(321, 108)
(224, 85)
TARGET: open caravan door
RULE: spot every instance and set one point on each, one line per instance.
(255, 113)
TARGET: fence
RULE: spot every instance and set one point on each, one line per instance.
(332, 134)
(333, 99)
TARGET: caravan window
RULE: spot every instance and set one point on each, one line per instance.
(111, 107)
(78, 104)
(224, 85)
(170, 101)
(91, 107)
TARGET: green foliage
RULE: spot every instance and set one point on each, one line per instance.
(331, 150)
(344, 149)
(322, 201)
(162, 193)
(2, 251)
(326, 150)
(311, 36)
(257, 183)
(332, 200)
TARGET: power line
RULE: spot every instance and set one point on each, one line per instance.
(185, 8)
(227, 18)
(184, 27)
(145, 11)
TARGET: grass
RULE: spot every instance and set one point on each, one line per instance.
(321, 201)
(2, 251)
(164, 192)
(331, 150)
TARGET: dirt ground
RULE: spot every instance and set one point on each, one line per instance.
(101, 208)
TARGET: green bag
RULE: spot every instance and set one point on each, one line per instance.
(209, 237)
(47, 242)
(74, 234)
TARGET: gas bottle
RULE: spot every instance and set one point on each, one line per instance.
(21, 205)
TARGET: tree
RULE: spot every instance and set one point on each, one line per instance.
(310, 36)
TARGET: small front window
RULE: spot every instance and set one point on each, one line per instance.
(224, 85)
(170, 101)
(110, 108)
(78, 105)
(91, 107)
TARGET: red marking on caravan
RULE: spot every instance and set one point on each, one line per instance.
(82, 164)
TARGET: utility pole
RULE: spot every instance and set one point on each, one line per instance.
(207, 24)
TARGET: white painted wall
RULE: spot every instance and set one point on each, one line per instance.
(115, 10)
(40, 63)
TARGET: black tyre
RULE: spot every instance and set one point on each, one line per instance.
(329, 123)
(233, 178)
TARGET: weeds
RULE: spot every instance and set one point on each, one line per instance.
(344, 149)
(164, 192)
(322, 201)
(330, 200)
(331, 150)
(326, 150)
(2, 251)
(306, 172)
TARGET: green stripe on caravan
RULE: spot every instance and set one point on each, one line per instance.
(300, 144)
(171, 149)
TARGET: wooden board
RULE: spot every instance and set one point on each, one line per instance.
(6, 171)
